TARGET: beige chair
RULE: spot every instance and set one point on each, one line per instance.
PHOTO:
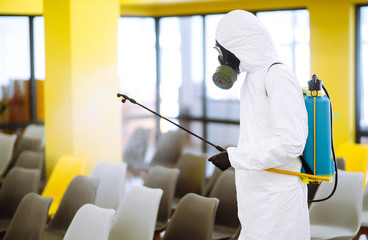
(23, 144)
(18, 183)
(111, 178)
(7, 143)
(165, 179)
(193, 219)
(226, 222)
(33, 160)
(81, 190)
(135, 152)
(35, 131)
(136, 216)
(169, 148)
(340, 216)
(191, 178)
(90, 223)
(210, 182)
(30, 218)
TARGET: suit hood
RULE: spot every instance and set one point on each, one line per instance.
(243, 34)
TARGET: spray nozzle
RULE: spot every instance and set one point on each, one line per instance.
(125, 97)
(315, 84)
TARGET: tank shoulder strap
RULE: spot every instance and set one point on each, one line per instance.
(275, 63)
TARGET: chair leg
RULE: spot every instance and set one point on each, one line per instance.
(362, 230)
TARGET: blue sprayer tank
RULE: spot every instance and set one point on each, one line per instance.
(317, 152)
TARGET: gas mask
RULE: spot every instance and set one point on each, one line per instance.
(226, 74)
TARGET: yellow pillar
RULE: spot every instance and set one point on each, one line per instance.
(332, 59)
(82, 115)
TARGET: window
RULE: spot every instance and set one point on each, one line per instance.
(181, 61)
(137, 72)
(362, 75)
(290, 32)
(21, 53)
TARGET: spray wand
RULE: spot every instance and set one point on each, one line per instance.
(125, 97)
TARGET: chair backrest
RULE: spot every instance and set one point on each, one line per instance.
(165, 179)
(64, 171)
(193, 219)
(136, 148)
(35, 131)
(211, 181)
(364, 221)
(18, 183)
(30, 218)
(30, 159)
(191, 178)
(356, 157)
(81, 190)
(90, 223)
(340, 161)
(111, 183)
(169, 148)
(344, 208)
(7, 143)
(137, 214)
(26, 143)
(227, 211)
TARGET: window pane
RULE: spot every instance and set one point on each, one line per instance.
(137, 72)
(39, 63)
(290, 32)
(181, 66)
(39, 47)
(170, 66)
(137, 63)
(14, 69)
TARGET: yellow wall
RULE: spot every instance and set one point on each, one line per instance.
(21, 7)
(82, 116)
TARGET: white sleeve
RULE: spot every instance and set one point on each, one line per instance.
(290, 126)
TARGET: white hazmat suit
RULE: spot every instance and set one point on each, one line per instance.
(273, 133)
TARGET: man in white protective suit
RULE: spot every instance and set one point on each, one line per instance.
(273, 132)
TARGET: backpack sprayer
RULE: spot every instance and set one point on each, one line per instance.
(318, 164)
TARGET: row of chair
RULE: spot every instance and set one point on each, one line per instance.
(168, 179)
(13, 150)
(180, 173)
(79, 218)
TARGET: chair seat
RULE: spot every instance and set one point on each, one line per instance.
(330, 232)
(221, 232)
